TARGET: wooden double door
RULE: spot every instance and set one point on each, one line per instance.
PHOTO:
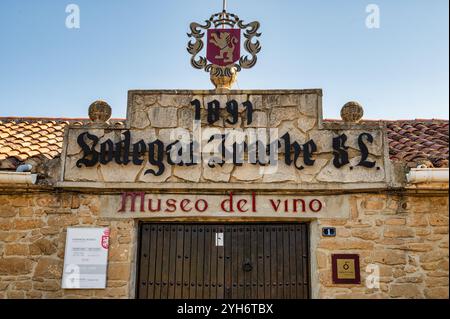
(223, 261)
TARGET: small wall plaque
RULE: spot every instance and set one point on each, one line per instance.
(345, 269)
(329, 232)
(219, 239)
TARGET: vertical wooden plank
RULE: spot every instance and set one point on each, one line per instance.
(172, 261)
(144, 260)
(273, 263)
(221, 268)
(187, 261)
(159, 261)
(152, 261)
(261, 258)
(228, 283)
(286, 273)
(193, 275)
(254, 260)
(299, 259)
(179, 262)
(207, 269)
(267, 262)
(292, 262)
(165, 263)
(280, 266)
(241, 275)
(234, 262)
(214, 259)
(200, 260)
(305, 255)
(246, 258)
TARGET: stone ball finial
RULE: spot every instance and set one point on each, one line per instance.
(100, 112)
(352, 112)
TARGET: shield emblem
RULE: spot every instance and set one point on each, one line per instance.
(224, 46)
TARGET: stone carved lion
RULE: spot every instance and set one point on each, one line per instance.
(226, 43)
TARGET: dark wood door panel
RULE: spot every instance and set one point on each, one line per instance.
(253, 261)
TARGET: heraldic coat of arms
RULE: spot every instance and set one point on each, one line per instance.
(223, 58)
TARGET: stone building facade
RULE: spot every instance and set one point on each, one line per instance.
(396, 223)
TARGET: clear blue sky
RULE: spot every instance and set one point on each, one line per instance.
(398, 71)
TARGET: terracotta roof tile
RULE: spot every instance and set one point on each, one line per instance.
(416, 140)
(409, 140)
(25, 138)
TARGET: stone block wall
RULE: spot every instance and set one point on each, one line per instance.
(32, 240)
(407, 237)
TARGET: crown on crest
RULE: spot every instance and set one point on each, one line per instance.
(224, 19)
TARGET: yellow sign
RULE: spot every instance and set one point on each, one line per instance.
(346, 269)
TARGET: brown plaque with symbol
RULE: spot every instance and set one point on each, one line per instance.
(346, 269)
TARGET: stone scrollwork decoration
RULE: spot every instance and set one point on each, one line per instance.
(223, 59)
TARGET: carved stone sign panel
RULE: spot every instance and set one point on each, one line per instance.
(246, 137)
(142, 205)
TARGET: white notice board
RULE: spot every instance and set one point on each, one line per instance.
(86, 258)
